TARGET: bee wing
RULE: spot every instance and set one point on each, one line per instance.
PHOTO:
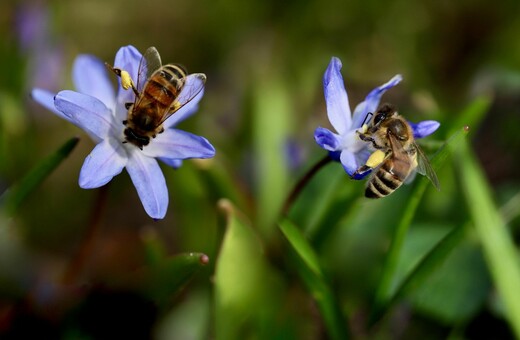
(424, 167)
(193, 85)
(150, 62)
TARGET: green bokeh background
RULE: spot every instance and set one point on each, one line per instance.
(264, 97)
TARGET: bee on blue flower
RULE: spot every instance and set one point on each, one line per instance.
(362, 146)
(100, 111)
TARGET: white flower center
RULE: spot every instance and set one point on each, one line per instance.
(352, 142)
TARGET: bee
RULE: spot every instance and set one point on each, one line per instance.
(160, 91)
(396, 157)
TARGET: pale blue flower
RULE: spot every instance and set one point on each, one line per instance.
(97, 109)
(345, 145)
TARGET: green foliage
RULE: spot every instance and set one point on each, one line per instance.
(310, 271)
(243, 308)
(417, 264)
(14, 196)
(498, 247)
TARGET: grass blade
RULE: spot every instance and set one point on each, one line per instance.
(13, 197)
(310, 270)
(246, 291)
(499, 250)
(386, 289)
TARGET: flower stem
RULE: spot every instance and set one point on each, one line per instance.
(76, 265)
(302, 183)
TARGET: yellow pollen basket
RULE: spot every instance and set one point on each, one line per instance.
(126, 80)
(176, 105)
(376, 158)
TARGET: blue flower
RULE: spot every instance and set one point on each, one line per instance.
(345, 145)
(97, 109)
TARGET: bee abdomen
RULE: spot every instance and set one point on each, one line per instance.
(382, 184)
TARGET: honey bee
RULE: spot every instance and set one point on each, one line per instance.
(396, 154)
(160, 91)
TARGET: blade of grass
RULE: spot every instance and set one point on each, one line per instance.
(434, 258)
(166, 278)
(271, 125)
(13, 197)
(309, 269)
(499, 250)
(386, 285)
(247, 296)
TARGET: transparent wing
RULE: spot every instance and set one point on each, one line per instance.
(424, 167)
(150, 62)
(193, 84)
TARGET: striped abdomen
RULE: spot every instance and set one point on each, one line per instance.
(390, 176)
(164, 85)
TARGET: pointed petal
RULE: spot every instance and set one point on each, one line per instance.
(104, 162)
(150, 184)
(424, 128)
(336, 98)
(174, 163)
(192, 82)
(46, 99)
(178, 144)
(371, 102)
(327, 139)
(87, 112)
(90, 77)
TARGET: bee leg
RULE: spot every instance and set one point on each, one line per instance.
(368, 139)
(128, 105)
(162, 130)
(125, 122)
(376, 158)
(361, 171)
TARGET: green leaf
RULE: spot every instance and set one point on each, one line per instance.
(309, 269)
(246, 299)
(499, 248)
(430, 261)
(387, 284)
(271, 123)
(452, 283)
(473, 114)
(164, 279)
(13, 197)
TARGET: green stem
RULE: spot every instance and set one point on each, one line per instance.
(75, 267)
(302, 183)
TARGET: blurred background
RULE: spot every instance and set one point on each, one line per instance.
(264, 97)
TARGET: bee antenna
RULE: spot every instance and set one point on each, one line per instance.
(368, 117)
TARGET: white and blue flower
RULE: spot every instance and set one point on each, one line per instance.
(345, 145)
(100, 111)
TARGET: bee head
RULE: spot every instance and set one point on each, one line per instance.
(133, 138)
(384, 112)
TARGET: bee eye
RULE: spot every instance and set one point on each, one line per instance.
(379, 118)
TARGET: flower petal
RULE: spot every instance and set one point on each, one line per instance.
(46, 99)
(424, 128)
(90, 77)
(174, 163)
(371, 102)
(178, 144)
(349, 162)
(336, 98)
(150, 184)
(87, 112)
(327, 139)
(128, 59)
(104, 162)
(193, 82)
